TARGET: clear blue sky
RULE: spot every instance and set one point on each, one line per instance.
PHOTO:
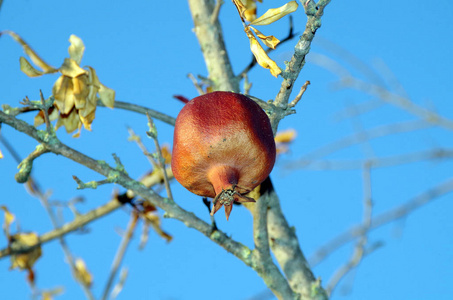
(144, 50)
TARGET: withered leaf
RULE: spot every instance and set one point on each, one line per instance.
(261, 56)
(82, 274)
(285, 136)
(28, 69)
(71, 69)
(9, 218)
(64, 96)
(39, 118)
(275, 14)
(269, 40)
(107, 95)
(38, 61)
(76, 48)
(240, 7)
(250, 12)
(283, 139)
(70, 121)
(25, 260)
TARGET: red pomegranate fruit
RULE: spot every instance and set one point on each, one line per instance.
(223, 148)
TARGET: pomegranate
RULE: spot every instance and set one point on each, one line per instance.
(223, 148)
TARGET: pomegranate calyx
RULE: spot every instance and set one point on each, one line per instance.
(226, 198)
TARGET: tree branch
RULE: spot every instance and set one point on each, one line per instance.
(314, 13)
(170, 207)
(382, 219)
(210, 38)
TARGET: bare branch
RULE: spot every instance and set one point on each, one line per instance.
(382, 219)
(142, 110)
(170, 207)
(120, 253)
(262, 257)
(286, 249)
(79, 222)
(314, 13)
(212, 45)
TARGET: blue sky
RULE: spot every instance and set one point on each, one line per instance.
(144, 51)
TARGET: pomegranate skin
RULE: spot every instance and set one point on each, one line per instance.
(222, 141)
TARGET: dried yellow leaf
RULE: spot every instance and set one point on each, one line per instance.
(107, 95)
(70, 121)
(28, 69)
(153, 220)
(283, 139)
(250, 12)
(285, 136)
(269, 40)
(9, 218)
(71, 69)
(240, 7)
(93, 84)
(87, 120)
(76, 48)
(261, 56)
(25, 260)
(64, 96)
(32, 54)
(275, 14)
(1, 154)
(82, 274)
(39, 118)
(48, 295)
(81, 91)
(166, 153)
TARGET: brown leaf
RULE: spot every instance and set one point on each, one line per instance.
(76, 48)
(275, 14)
(261, 56)
(38, 61)
(269, 40)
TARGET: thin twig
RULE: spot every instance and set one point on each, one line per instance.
(299, 96)
(35, 190)
(142, 110)
(359, 248)
(378, 162)
(197, 86)
(215, 13)
(382, 219)
(120, 253)
(172, 209)
(160, 158)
